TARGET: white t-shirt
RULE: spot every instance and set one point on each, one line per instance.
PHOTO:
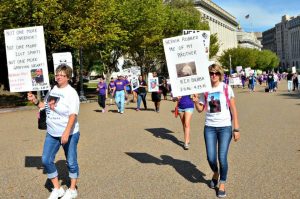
(218, 113)
(66, 103)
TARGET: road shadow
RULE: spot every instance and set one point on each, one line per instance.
(141, 109)
(185, 168)
(292, 94)
(61, 166)
(165, 134)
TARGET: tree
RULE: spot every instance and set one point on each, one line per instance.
(247, 57)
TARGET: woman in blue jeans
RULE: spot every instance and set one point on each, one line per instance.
(142, 92)
(221, 114)
(62, 108)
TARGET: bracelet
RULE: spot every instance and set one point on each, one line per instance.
(37, 103)
(236, 130)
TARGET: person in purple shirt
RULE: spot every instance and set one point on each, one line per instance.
(102, 93)
(111, 86)
(120, 93)
(185, 110)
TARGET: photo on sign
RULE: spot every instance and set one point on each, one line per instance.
(37, 76)
(186, 69)
(134, 83)
(153, 84)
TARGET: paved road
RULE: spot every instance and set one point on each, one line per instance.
(139, 154)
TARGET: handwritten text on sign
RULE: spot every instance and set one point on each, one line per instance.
(26, 59)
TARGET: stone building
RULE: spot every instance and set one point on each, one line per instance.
(220, 22)
(285, 42)
(248, 40)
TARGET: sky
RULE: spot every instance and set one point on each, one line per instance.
(263, 14)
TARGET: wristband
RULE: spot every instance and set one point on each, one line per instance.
(236, 130)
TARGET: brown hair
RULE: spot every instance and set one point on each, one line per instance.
(66, 69)
(217, 68)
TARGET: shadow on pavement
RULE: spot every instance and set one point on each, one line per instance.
(61, 166)
(165, 134)
(185, 168)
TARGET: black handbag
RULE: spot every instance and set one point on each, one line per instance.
(42, 125)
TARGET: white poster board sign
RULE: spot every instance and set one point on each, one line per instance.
(235, 81)
(247, 71)
(26, 59)
(205, 34)
(294, 69)
(239, 69)
(62, 58)
(134, 83)
(153, 84)
(187, 64)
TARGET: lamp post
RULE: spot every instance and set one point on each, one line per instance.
(81, 93)
(230, 65)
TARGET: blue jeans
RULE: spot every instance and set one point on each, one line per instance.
(141, 96)
(120, 100)
(218, 137)
(51, 147)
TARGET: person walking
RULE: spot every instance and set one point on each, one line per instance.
(119, 92)
(289, 78)
(142, 93)
(218, 126)
(156, 96)
(111, 86)
(62, 108)
(102, 93)
(185, 110)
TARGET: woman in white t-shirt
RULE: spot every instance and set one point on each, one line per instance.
(62, 108)
(218, 125)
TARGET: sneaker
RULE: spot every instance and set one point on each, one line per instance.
(57, 193)
(213, 183)
(221, 194)
(121, 112)
(137, 109)
(118, 111)
(186, 146)
(70, 194)
(103, 110)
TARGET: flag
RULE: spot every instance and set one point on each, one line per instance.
(247, 16)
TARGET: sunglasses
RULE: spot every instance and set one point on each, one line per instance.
(212, 73)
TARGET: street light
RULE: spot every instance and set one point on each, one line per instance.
(230, 65)
(81, 93)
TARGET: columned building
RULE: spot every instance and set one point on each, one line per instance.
(286, 42)
(220, 22)
(248, 40)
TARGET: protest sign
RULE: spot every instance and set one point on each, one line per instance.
(294, 69)
(26, 59)
(205, 38)
(239, 69)
(62, 58)
(247, 71)
(187, 64)
(235, 81)
(134, 83)
(153, 85)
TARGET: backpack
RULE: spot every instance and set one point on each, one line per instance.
(225, 90)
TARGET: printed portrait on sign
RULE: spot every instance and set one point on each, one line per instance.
(37, 76)
(186, 69)
(214, 102)
(153, 85)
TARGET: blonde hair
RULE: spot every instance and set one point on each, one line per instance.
(217, 68)
(66, 69)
